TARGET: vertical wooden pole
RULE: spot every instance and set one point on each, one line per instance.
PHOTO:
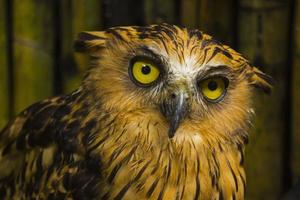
(263, 34)
(77, 16)
(33, 51)
(295, 139)
(3, 65)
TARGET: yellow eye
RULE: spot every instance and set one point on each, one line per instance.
(213, 88)
(144, 72)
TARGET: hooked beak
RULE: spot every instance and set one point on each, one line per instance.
(175, 109)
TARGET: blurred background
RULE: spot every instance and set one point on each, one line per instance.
(37, 61)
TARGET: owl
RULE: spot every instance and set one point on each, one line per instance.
(162, 113)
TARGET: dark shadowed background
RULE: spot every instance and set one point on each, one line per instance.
(37, 61)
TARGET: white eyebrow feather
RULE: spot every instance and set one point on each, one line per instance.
(188, 70)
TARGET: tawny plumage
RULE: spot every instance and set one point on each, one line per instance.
(162, 113)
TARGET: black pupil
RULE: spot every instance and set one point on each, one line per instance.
(212, 85)
(146, 69)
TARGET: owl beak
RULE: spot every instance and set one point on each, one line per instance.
(175, 110)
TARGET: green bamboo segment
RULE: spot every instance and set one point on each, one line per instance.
(189, 12)
(87, 16)
(3, 67)
(33, 51)
(69, 68)
(218, 19)
(159, 11)
(77, 16)
(149, 16)
(263, 37)
(295, 139)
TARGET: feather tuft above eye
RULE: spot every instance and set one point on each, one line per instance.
(261, 80)
(90, 42)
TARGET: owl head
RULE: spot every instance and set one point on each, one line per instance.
(175, 81)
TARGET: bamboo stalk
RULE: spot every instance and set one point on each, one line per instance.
(217, 17)
(77, 16)
(122, 13)
(189, 13)
(295, 139)
(33, 51)
(263, 39)
(3, 66)
(159, 11)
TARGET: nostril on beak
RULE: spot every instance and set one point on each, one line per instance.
(173, 95)
(193, 94)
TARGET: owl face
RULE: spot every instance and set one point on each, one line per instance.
(178, 79)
